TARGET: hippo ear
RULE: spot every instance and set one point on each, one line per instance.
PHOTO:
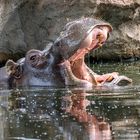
(14, 69)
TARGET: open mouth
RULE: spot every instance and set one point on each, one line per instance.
(80, 53)
(93, 41)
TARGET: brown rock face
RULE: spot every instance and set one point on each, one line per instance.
(124, 43)
(27, 24)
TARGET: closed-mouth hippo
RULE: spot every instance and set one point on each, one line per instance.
(37, 69)
(78, 38)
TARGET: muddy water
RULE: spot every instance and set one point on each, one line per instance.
(74, 114)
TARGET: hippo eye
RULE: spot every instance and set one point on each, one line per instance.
(33, 58)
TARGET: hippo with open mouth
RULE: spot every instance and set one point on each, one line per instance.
(62, 62)
(80, 37)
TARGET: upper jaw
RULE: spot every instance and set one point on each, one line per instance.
(102, 37)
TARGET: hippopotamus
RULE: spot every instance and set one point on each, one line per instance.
(80, 37)
(62, 63)
(40, 68)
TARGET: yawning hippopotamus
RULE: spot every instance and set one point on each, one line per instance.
(79, 38)
(62, 62)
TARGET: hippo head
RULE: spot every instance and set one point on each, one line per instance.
(35, 65)
(83, 34)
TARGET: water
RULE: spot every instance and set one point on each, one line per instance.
(72, 113)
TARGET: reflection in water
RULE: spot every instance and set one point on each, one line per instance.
(53, 116)
(70, 115)
(96, 127)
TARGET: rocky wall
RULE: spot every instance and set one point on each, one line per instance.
(27, 24)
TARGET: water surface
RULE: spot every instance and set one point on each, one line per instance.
(74, 114)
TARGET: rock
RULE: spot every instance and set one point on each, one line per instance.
(124, 42)
(11, 35)
(27, 24)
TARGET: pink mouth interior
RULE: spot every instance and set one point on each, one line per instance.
(97, 41)
(80, 53)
